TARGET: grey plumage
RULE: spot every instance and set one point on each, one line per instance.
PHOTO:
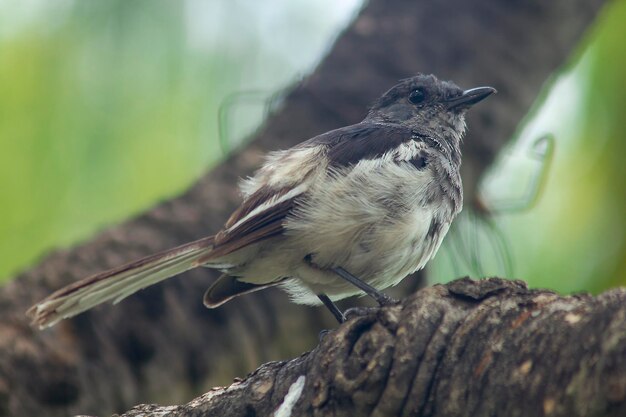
(375, 199)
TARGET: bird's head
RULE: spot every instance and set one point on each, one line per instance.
(424, 101)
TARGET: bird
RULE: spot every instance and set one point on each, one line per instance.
(352, 211)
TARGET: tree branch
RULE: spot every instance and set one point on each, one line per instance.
(468, 348)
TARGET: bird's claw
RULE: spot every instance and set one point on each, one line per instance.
(385, 301)
(359, 312)
(322, 334)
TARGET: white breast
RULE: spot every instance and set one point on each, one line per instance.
(371, 219)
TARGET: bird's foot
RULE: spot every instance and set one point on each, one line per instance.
(354, 312)
(384, 300)
(322, 334)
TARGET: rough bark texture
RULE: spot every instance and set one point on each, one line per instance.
(469, 348)
(162, 344)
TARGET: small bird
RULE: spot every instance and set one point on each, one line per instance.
(351, 211)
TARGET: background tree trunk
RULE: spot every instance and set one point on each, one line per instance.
(469, 348)
(162, 345)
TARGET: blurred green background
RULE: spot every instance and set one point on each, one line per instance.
(573, 237)
(107, 108)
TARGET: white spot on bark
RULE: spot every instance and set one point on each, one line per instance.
(572, 318)
(525, 368)
(293, 395)
(549, 404)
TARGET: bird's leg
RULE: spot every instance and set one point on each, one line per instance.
(332, 307)
(381, 298)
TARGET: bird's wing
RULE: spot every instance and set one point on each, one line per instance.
(366, 140)
(263, 213)
(259, 217)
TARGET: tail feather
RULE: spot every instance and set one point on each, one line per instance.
(117, 284)
(228, 287)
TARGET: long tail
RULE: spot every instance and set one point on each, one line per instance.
(117, 284)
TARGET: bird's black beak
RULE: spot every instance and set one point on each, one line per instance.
(470, 97)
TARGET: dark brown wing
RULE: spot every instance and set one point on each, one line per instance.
(259, 217)
(262, 195)
(366, 140)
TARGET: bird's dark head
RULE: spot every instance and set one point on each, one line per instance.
(426, 102)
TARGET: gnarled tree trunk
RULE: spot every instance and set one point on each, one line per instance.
(468, 348)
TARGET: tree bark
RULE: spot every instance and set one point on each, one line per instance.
(162, 344)
(468, 348)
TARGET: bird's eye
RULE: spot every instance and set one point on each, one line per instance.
(417, 96)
